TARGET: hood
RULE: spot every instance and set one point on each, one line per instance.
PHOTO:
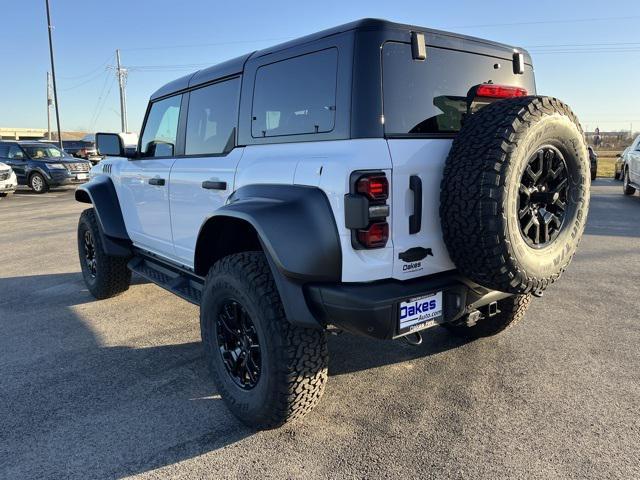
(59, 160)
(4, 166)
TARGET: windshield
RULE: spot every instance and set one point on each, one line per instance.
(430, 97)
(44, 151)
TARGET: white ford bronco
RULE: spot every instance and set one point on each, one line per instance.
(375, 178)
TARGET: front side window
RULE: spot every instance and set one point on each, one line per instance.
(161, 129)
(212, 118)
(37, 151)
(296, 96)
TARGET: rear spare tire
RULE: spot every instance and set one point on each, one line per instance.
(515, 194)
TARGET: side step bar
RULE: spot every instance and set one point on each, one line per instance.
(178, 281)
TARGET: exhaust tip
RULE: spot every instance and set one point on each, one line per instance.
(413, 339)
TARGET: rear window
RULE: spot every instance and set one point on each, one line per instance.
(429, 97)
(212, 118)
(296, 96)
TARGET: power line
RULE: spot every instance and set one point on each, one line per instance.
(90, 79)
(214, 44)
(104, 101)
(586, 51)
(544, 22)
(102, 90)
(90, 72)
(559, 45)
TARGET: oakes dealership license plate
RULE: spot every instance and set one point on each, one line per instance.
(420, 313)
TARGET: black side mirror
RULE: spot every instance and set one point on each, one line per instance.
(618, 155)
(110, 145)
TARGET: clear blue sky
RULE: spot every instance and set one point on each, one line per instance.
(585, 52)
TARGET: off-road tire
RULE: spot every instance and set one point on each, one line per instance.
(480, 193)
(627, 189)
(594, 174)
(112, 276)
(511, 310)
(293, 359)
(37, 183)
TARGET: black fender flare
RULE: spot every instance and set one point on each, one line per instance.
(296, 228)
(101, 192)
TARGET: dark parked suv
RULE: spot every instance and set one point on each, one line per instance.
(42, 165)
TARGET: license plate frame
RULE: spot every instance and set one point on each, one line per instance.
(420, 313)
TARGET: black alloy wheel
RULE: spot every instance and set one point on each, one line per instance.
(542, 199)
(90, 254)
(238, 344)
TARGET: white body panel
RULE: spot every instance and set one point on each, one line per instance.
(191, 204)
(145, 207)
(632, 159)
(166, 219)
(424, 158)
(328, 166)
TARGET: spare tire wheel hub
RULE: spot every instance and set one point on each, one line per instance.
(543, 197)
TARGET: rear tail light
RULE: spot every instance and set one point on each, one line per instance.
(376, 236)
(489, 90)
(366, 209)
(376, 187)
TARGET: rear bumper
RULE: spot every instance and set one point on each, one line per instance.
(372, 309)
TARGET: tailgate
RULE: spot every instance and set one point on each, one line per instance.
(423, 160)
(425, 102)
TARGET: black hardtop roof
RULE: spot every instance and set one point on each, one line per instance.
(236, 65)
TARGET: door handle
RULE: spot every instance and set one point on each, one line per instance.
(214, 185)
(156, 181)
(415, 220)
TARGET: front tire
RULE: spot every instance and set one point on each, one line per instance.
(38, 183)
(627, 189)
(510, 311)
(267, 370)
(105, 276)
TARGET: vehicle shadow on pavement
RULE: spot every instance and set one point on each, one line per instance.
(617, 215)
(350, 353)
(72, 407)
(28, 192)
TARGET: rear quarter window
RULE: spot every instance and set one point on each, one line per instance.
(429, 97)
(296, 96)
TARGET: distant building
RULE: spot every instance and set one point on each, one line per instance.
(10, 133)
(613, 140)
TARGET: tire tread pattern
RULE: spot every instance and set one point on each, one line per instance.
(472, 190)
(114, 277)
(301, 353)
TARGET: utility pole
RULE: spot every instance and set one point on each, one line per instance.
(53, 74)
(121, 73)
(49, 103)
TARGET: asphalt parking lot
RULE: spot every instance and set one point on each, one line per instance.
(119, 387)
